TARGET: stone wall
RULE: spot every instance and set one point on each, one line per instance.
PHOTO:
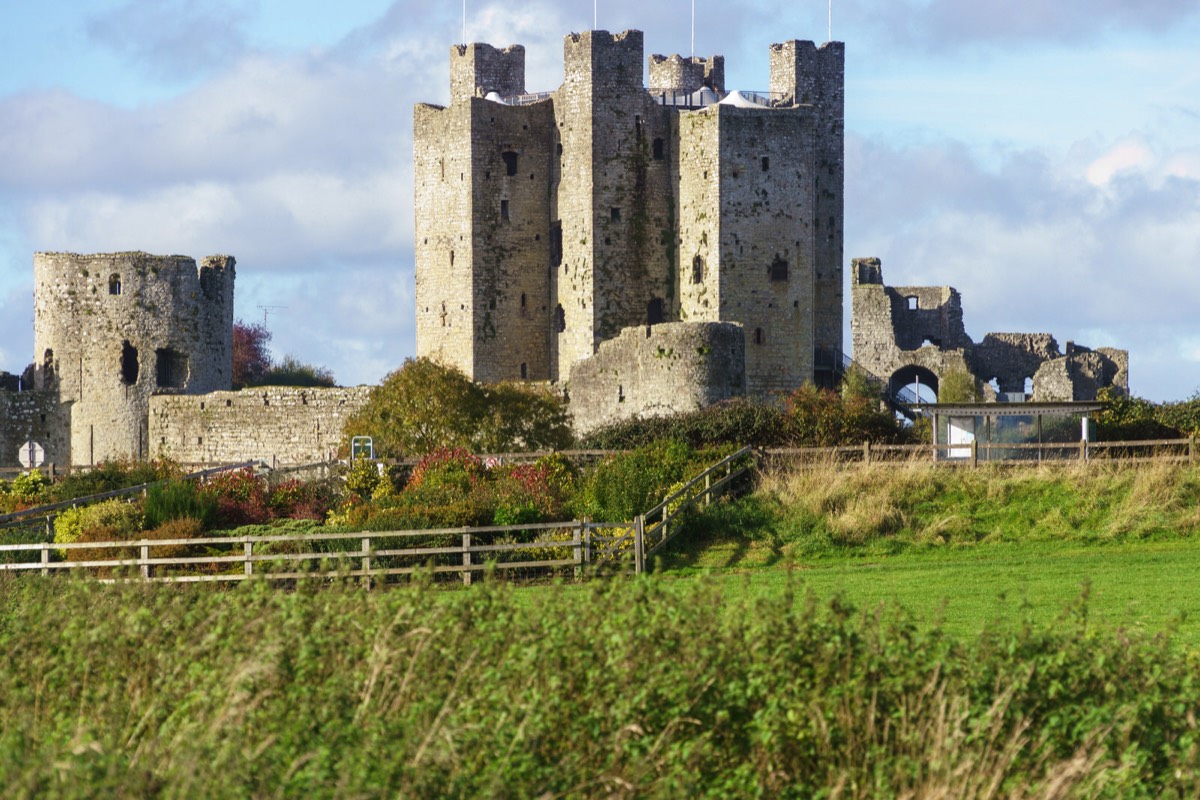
(918, 330)
(660, 370)
(110, 330)
(276, 424)
(34, 416)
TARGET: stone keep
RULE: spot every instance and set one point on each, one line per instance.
(110, 330)
(547, 224)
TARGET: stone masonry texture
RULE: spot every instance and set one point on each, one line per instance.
(546, 225)
(902, 333)
(280, 425)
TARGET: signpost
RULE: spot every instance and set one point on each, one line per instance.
(32, 455)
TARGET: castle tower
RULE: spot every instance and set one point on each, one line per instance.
(482, 179)
(110, 330)
(803, 73)
(611, 201)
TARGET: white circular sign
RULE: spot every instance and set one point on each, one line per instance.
(31, 455)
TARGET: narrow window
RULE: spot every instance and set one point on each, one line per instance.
(615, 214)
(524, 371)
(556, 243)
(452, 258)
(657, 149)
(766, 163)
(912, 303)
(620, 393)
(779, 269)
(522, 301)
(654, 311)
(504, 210)
(114, 284)
(510, 162)
(759, 337)
(698, 269)
(129, 363)
(560, 319)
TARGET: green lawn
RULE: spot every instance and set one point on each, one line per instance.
(1149, 586)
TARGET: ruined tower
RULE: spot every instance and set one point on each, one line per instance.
(110, 330)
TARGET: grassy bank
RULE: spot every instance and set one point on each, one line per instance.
(646, 687)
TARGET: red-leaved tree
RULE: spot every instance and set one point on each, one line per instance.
(251, 359)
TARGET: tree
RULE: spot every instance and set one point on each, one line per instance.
(424, 405)
(293, 372)
(956, 385)
(251, 359)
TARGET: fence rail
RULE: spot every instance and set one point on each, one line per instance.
(976, 453)
(578, 546)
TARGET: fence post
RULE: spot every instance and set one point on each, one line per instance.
(366, 562)
(974, 452)
(587, 541)
(145, 556)
(45, 558)
(639, 527)
(867, 451)
(247, 552)
(577, 545)
(707, 489)
(1192, 449)
(466, 558)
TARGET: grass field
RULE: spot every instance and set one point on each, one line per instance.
(1146, 586)
(851, 633)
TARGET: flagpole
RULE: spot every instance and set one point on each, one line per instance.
(693, 28)
(595, 25)
(464, 39)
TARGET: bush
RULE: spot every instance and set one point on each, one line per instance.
(623, 486)
(240, 496)
(109, 476)
(177, 499)
(117, 518)
(296, 499)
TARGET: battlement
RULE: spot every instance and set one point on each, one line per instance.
(679, 74)
(804, 73)
(612, 61)
(477, 69)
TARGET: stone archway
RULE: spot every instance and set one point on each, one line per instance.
(913, 383)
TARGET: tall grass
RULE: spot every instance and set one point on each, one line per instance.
(886, 507)
(646, 688)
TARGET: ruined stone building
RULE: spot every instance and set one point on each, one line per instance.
(133, 360)
(907, 334)
(550, 225)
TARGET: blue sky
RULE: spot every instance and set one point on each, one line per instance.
(1042, 158)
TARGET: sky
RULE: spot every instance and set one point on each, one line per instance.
(1043, 158)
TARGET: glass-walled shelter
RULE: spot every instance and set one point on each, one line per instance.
(1009, 431)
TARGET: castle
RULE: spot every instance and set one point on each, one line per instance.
(550, 225)
(650, 250)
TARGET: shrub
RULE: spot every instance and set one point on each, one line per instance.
(296, 499)
(178, 528)
(623, 486)
(116, 518)
(450, 467)
(109, 476)
(241, 498)
(362, 478)
(177, 499)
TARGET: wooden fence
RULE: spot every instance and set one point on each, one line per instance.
(575, 548)
(1183, 451)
